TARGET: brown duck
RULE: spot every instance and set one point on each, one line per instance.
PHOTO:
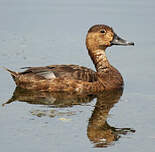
(75, 78)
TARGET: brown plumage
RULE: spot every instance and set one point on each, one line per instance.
(75, 78)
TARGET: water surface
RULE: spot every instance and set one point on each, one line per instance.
(34, 33)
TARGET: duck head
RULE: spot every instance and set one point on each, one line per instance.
(103, 36)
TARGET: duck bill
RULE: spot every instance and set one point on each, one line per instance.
(119, 41)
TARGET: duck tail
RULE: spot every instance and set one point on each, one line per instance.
(13, 74)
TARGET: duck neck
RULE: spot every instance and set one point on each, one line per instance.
(100, 60)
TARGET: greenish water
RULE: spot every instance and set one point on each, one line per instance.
(35, 33)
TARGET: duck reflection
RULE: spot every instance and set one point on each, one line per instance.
(53, 99)
(98, 131)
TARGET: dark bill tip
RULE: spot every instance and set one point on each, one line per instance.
(131, 43)
(119, 41)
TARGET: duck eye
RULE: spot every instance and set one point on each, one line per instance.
(102, 31)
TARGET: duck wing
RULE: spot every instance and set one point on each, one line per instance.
(62, 71)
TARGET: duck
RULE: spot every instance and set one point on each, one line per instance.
(75, 78)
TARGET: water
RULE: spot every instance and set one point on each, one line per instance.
(35, 33)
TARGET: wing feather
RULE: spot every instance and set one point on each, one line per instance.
(60, 71)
